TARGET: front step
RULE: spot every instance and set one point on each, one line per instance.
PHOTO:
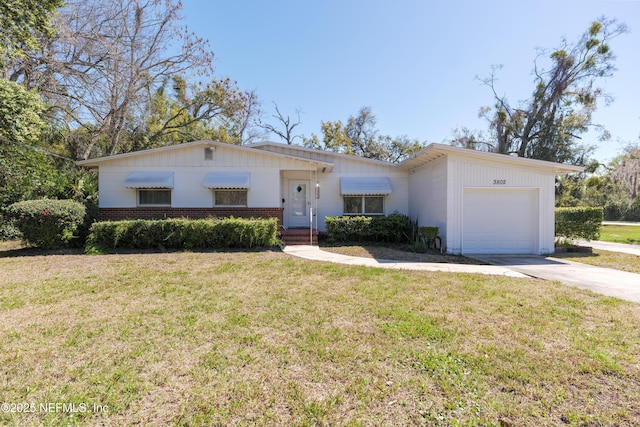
(299, 236)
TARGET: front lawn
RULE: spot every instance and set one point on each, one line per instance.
(620, 234)
(399, 252)
(262, 338)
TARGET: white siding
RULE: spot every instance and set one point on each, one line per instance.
(428, 195)
(330, 201)
(190, 169)
(464, 173)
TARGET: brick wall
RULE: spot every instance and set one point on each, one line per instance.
(114, 214)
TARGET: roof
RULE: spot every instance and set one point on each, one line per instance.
(261, 145)
(435, 151)
(99, 160)
(428, 154)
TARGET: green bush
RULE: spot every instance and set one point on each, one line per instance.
(429, 234)
(392, 228)
(579, 222)
(616, 210)
(45, 223)
(7, 230)
(183, 234)
(633, 211)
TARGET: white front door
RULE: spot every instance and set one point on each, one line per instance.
(299, 204)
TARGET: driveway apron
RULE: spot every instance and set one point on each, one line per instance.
(606, 281)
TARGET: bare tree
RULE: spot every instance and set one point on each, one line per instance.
(548, 125)
(106, 61)
(627, 171)
(285, 126)
(246, 122)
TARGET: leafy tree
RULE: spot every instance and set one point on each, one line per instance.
(179, 113)
(548, 125)
(361, 138)
(107, 63)
(20, 21)
(25, 170)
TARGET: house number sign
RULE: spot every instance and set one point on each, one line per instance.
(499, 182)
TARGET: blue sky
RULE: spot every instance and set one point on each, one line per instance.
(413, 62)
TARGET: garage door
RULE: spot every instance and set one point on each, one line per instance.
(500, 221)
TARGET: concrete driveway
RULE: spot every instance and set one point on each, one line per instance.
(615, 283)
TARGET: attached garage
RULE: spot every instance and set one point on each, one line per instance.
(500, 221)
(484, 202)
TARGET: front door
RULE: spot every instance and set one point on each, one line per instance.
(299, 204)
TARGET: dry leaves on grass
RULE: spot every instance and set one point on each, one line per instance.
(263, 338)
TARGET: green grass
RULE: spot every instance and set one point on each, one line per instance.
(620, 234)
(260, 338)
(607, 259)
(394, 251)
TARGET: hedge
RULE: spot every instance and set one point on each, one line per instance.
(183, 234)
(395, 227)
(47, 223)
(579, 222)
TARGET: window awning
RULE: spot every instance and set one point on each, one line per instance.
(227, 180)
(149, 179)
(365, 186)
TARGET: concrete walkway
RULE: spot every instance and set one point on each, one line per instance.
(606, 281)
(316, 254)
(610, 246)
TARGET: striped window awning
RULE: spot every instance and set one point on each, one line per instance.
(227, 180)
(365, 186)
(149, 179)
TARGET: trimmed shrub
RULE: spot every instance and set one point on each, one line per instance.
(395, 228)
(7, 230)
(183, 234)
(347, 228)
(45, 223)
(579, 222)
(429, 234)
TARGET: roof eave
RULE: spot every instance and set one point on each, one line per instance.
(434, 151)
(94, 163)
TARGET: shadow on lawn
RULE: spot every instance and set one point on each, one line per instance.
(17, 250)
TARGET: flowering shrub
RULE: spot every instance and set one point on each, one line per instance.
(48, 224)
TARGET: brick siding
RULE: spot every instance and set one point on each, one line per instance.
(115, 214)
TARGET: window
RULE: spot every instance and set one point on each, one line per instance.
(363, 205)
(154, 197)
(230, 198)
(208, 153)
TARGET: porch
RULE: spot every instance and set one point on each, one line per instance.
(299, 236)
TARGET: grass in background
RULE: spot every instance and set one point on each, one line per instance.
(607, 259)
(263, 338)
(620, 234)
